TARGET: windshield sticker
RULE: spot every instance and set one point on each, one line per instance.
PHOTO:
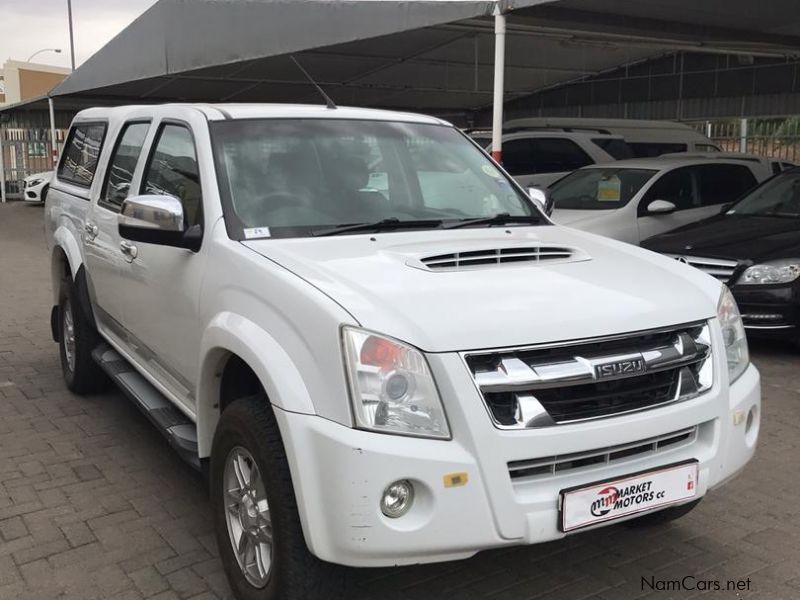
(609, 189)
(256, 232)
(491, 171)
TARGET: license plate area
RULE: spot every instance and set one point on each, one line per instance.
(603, 501)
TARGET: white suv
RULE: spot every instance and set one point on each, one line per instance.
(539, 158)
(382, 375)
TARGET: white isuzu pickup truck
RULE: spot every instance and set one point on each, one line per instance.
(378, 347)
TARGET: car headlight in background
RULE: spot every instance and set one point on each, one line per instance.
(34, 182)
(774, 271)
(733, 335)
(391, 386)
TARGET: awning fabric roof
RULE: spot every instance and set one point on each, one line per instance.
(425, 55)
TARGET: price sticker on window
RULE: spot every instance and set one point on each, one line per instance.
(609, 189)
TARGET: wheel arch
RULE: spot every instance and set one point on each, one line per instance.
(65, 259)
(237, 354)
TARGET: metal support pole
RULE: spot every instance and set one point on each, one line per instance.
(53, 144)
(71, 36)
(743, 136)
(499, 83)
(2, 168)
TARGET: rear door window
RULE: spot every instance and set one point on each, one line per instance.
(651, 149)
(79, 160)
(123, 164)
(674, 186)
(720, 184)
(530, 156)
(617, 148)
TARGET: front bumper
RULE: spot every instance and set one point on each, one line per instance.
(770, 311)
(340, 473)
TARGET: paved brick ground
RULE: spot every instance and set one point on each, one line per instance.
(94, 504)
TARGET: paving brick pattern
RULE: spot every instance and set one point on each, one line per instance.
(94, 504)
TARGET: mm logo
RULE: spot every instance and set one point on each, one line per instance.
(606, 498)
(619, 368)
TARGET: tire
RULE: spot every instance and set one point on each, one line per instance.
(77, 339)
(248, 435)
(663, 516)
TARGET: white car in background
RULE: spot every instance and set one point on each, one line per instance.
(632, 200)
(538, 158)
(34, 187)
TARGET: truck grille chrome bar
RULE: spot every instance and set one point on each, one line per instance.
(716, 267)
(554, 465)
(551, 385)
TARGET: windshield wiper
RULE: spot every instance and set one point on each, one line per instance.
(382, 225)
(498, 219)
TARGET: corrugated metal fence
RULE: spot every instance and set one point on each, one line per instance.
(24, 152)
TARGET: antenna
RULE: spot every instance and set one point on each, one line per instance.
(329, 103)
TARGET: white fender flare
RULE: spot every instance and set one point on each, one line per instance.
(64, 239)
(229, 333)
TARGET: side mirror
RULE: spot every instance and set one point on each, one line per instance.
(542, 198)
(158, 220)
(661, 207)
(725, 208)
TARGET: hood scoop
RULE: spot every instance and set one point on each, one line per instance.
(493, 257)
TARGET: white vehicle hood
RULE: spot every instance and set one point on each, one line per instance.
(379, 280)
(46, 175)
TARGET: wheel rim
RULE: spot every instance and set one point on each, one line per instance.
(247, 515)
(68, 335)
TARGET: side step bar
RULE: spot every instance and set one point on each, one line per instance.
(179, 430)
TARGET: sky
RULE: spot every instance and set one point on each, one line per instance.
(30, 25)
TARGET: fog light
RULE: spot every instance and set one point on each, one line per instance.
(397, 499)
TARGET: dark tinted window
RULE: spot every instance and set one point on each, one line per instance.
(123, 164)
(617, 148)
(719, 184)
(543, 155)
(675, 186)
(776, 197)
(79, 162)
(172, 171)
(650, 149)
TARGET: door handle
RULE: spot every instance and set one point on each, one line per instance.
(128, 249)
(90, 229)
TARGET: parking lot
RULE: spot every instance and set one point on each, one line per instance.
(94, 504)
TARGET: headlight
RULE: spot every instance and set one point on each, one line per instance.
(34, 182)
(391, 386)
(733, 335)
(774, 271)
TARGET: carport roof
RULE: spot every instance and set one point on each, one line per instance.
(427, 55)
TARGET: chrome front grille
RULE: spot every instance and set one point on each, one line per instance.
(716, 267)
(550, 466)
(544, 386)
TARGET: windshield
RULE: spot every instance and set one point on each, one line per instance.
(599, 189)
(778, 197)
(292, 177)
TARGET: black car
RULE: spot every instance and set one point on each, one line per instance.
(754, 247)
